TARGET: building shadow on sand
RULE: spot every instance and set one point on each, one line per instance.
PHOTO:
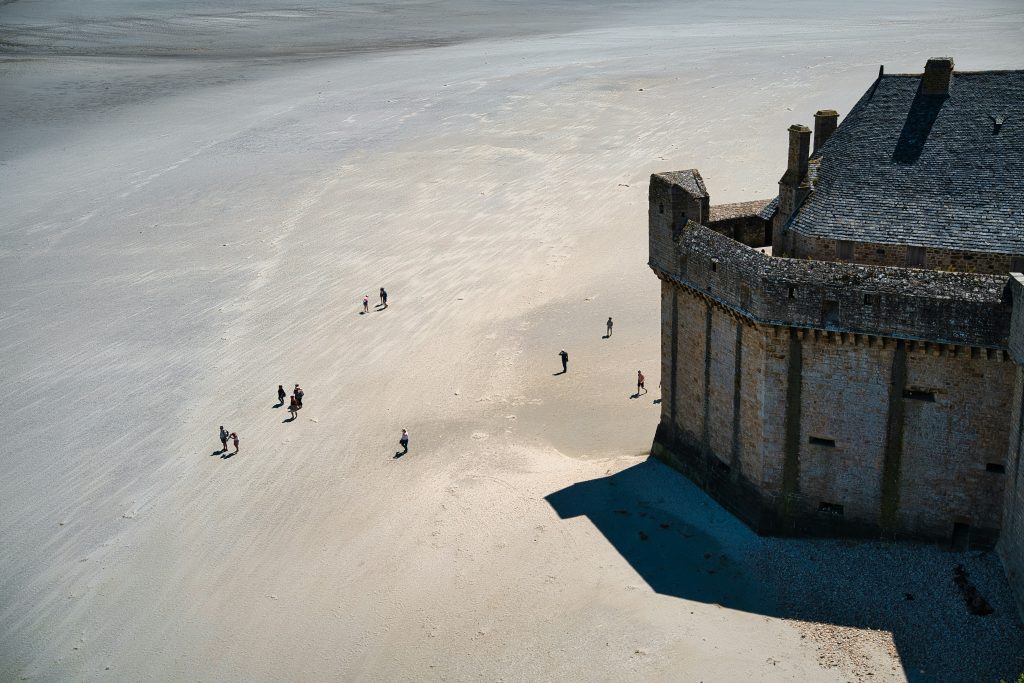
(683, 544)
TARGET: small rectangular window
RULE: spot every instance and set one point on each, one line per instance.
(830, 311)
(831, 509)
(792, 292)
(844, 250)
(996, 467)
(818, 441)
(661, 208)
(714, 266)
(919, 395)
(870, 299)
(915, 257)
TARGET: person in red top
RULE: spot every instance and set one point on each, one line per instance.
(640, 382)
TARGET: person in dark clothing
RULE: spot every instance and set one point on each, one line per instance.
(281, 394)
(404, 441)
(609, 326)
(384, 297)
(565, 361)
(293, 408)
(299, 393)
(223, 439)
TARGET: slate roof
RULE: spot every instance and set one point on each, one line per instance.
(724, 212)
(689, 179)
(770, 209)
(925, 170)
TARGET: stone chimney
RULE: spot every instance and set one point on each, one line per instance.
(825, 123)
(793, 186)
(938, 76)
(799, 151)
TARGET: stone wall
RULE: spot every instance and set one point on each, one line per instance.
(742, 222)
(960, 309)
(803, 247)
(817, 432)
(1011, 540)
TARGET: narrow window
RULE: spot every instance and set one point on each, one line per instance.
(919, 395)
(915, 257)
(831, 509)
(870, 299)
(714, 266)
(830, 311)
(661, 208)
(818, 441)
(844, 250)
(996, 467)
(792, 292)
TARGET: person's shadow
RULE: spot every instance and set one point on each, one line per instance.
(226, 456)
(398, 454)
(556, 374)
(290, 419)
(607, 336)
(278, 404)
(223, 450)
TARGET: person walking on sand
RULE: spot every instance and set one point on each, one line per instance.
(565, 361)
(609, 326)
(404, 441)
(299, 393)
(234, 439)
(281, 394)
(384, 297)
(366, 304)
(640, 383)
(223, 439)
(293, 408)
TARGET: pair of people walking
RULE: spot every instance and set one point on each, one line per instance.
(383, 301)
(224, 436)
(295, 404)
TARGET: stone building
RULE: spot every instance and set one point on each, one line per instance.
(840, 359)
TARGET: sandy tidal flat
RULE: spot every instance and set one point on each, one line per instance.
(194, 197)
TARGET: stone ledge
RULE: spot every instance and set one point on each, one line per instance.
(950, 308)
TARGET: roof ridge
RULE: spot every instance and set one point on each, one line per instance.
(956, 72)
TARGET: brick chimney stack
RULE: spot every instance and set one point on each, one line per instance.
(825, 123)
(938, 76)
(793, 186)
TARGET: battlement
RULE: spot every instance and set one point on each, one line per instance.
(949, 308)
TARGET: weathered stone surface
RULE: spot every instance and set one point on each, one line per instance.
(1011, 539)
(814, 397)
